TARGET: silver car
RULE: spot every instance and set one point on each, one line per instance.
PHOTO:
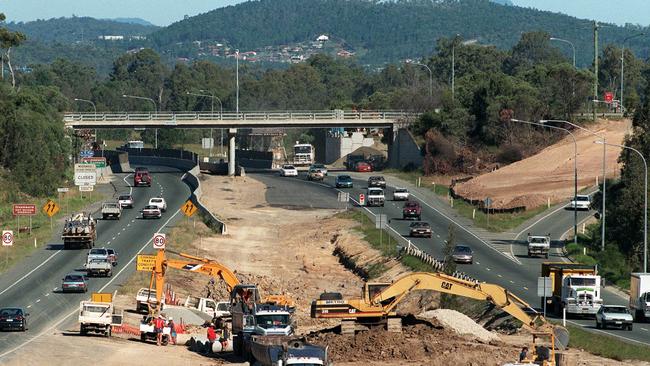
(463, 254)
(615, 316)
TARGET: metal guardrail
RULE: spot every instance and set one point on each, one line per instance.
(241, 116)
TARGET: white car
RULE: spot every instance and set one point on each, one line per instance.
(125, 201)
(288, 171)
(581, 202)
(320, 167)
(400, 194)
(614, 315)
(158, 202)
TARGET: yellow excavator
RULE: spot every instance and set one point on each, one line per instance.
(377, 307)
(206, 267)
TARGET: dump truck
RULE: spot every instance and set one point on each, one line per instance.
(640, 296)
(539, 245)
(79, 230)
(281, 351)
(575, 287)
(98, 315)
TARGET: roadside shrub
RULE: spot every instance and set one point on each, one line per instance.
(508, 154)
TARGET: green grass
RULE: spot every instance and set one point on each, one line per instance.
(607, 346)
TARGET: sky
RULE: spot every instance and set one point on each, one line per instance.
(165, 12)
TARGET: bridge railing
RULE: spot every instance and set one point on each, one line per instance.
(235, 116)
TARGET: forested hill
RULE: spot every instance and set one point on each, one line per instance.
(76, 29)
(380, 31)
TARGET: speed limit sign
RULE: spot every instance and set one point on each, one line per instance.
(7, 238)
(159, 241)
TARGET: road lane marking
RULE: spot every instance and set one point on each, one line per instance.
(29, 306)
(113, 238)
(498, 275)
(487, 269)
(643, 329)
(37, 301)
(30, 272)
(47, 294)
(525, 288)
(76, 311)
(128, 185)
(512, 281)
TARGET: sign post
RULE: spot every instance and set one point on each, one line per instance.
(380, 223)
(488, 202)
(544, 286)
(24, 210)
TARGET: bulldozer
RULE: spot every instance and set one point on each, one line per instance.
(377, 308)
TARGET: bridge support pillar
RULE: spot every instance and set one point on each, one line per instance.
(232, 132)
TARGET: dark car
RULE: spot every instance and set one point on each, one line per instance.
(74, 282)
(412, 210)
(377, 181)
(13, 319)
(463, 254)
(420, 229)
(344, 181)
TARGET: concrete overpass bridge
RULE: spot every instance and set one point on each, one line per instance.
(392, 120)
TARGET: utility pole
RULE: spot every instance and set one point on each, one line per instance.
(595, 66)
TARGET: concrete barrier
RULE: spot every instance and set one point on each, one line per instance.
(191, 179)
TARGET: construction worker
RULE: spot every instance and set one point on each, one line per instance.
(212, 336)
(172, 328)
(523, 355)
(158, 325)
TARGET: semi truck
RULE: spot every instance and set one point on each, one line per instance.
(575, 287)
(79, 230)
(640, 296)
(303, 154)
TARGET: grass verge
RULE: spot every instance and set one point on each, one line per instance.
(607, 346)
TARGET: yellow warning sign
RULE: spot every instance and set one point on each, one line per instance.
(51, 208)
(145, 262)
(189, 208)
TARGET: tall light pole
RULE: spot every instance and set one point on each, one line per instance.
(575, 169)
(212, 98)
(602, 220)
(645, 204)
(155, 107)
(623, 62)
(430, 77)
(95, 118)
(595, 66)
(237, 67)
(573, 47)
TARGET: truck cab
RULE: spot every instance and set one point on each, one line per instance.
(581, 294)
(375, 197)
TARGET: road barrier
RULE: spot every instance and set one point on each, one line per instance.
(191, 179)
(437, 265)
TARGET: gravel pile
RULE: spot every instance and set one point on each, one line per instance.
(459, 323)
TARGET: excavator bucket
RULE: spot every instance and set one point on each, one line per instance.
(561, 336)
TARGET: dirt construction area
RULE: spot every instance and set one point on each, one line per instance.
(298, 252)
(531, 182)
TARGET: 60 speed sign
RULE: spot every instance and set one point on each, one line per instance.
(159, 241)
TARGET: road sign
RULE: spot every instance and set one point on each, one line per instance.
(159, 241)
(86, 153)
(207, 143)
(88, 188)
(85, 174)
(381, 221)
(51, 208)
(85, 167)
(189, 208)
(344, 197)
(544, 287)
(145, 262)
(24, 210)
(63, 190)
(609, 97)
(98, 162)
(7, 238)
(362, 199)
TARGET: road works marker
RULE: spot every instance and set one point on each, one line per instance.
(362, 199)
(145, 262)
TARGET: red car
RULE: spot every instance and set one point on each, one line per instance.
(362, 166)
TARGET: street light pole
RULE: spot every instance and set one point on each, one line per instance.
(645, 203)
(95, 117)
(573, 47)
(155, 107)
(575, 169)
(237, 67)
(430, 77)
(623, 62)
(602, 220)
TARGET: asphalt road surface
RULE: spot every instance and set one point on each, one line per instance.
(516, 273)
(35, 283)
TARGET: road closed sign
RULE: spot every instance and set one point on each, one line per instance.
(362, 199)
(7, 238)
(159, 241)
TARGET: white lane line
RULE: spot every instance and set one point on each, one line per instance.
(129, 224)
(30, 272)
(487, 269)
(525, 288)
(133, 220)
(608, 333)
(29, 306)
(499, 276)
(438, 235)
(478, 262)
(47, 294)
(76, 311)
(644, 329)
(127, 183)
(108, 242)
(37, 301)
(512, 281)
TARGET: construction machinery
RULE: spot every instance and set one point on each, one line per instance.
(379, 301)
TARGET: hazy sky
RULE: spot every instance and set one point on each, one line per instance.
(164, 12)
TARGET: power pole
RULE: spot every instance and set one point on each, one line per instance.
(595, 67)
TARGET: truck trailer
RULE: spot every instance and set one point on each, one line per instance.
(640, 296)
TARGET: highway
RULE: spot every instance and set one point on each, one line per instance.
(35, 282)
(518, 274)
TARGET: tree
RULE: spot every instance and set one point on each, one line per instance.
(533, 48)
(8, 40)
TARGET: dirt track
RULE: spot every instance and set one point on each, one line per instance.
(549, 174)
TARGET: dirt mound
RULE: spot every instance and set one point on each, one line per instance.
(459, 323)
(419, 344)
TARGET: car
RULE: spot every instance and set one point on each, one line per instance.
(98, 253)
(151, 212)
(411, 210)
(344, 181)
(377, 181)
(112, 256)
(581, 202)
(288, 170)
(315, 174)
(420, 229)
(13, 319)
(159, 202)
(125, 201)
(462, 254)
(614, 315)
(74, 282)
(363, 167)
(320, 167)
(401, 194)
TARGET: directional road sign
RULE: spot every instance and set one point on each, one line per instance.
(189, 208)
(51, 208)
(7, 238)
(87, 188)
(159, 241)
(63, 190)
(145, 262)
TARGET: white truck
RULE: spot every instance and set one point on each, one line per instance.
(375, 197)
(147, 331)
(401, 194)
(216, 309)
(99, 267)
(539, 245)
(98, 317)
(145, 297)
(640, 296)
(111, 210)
